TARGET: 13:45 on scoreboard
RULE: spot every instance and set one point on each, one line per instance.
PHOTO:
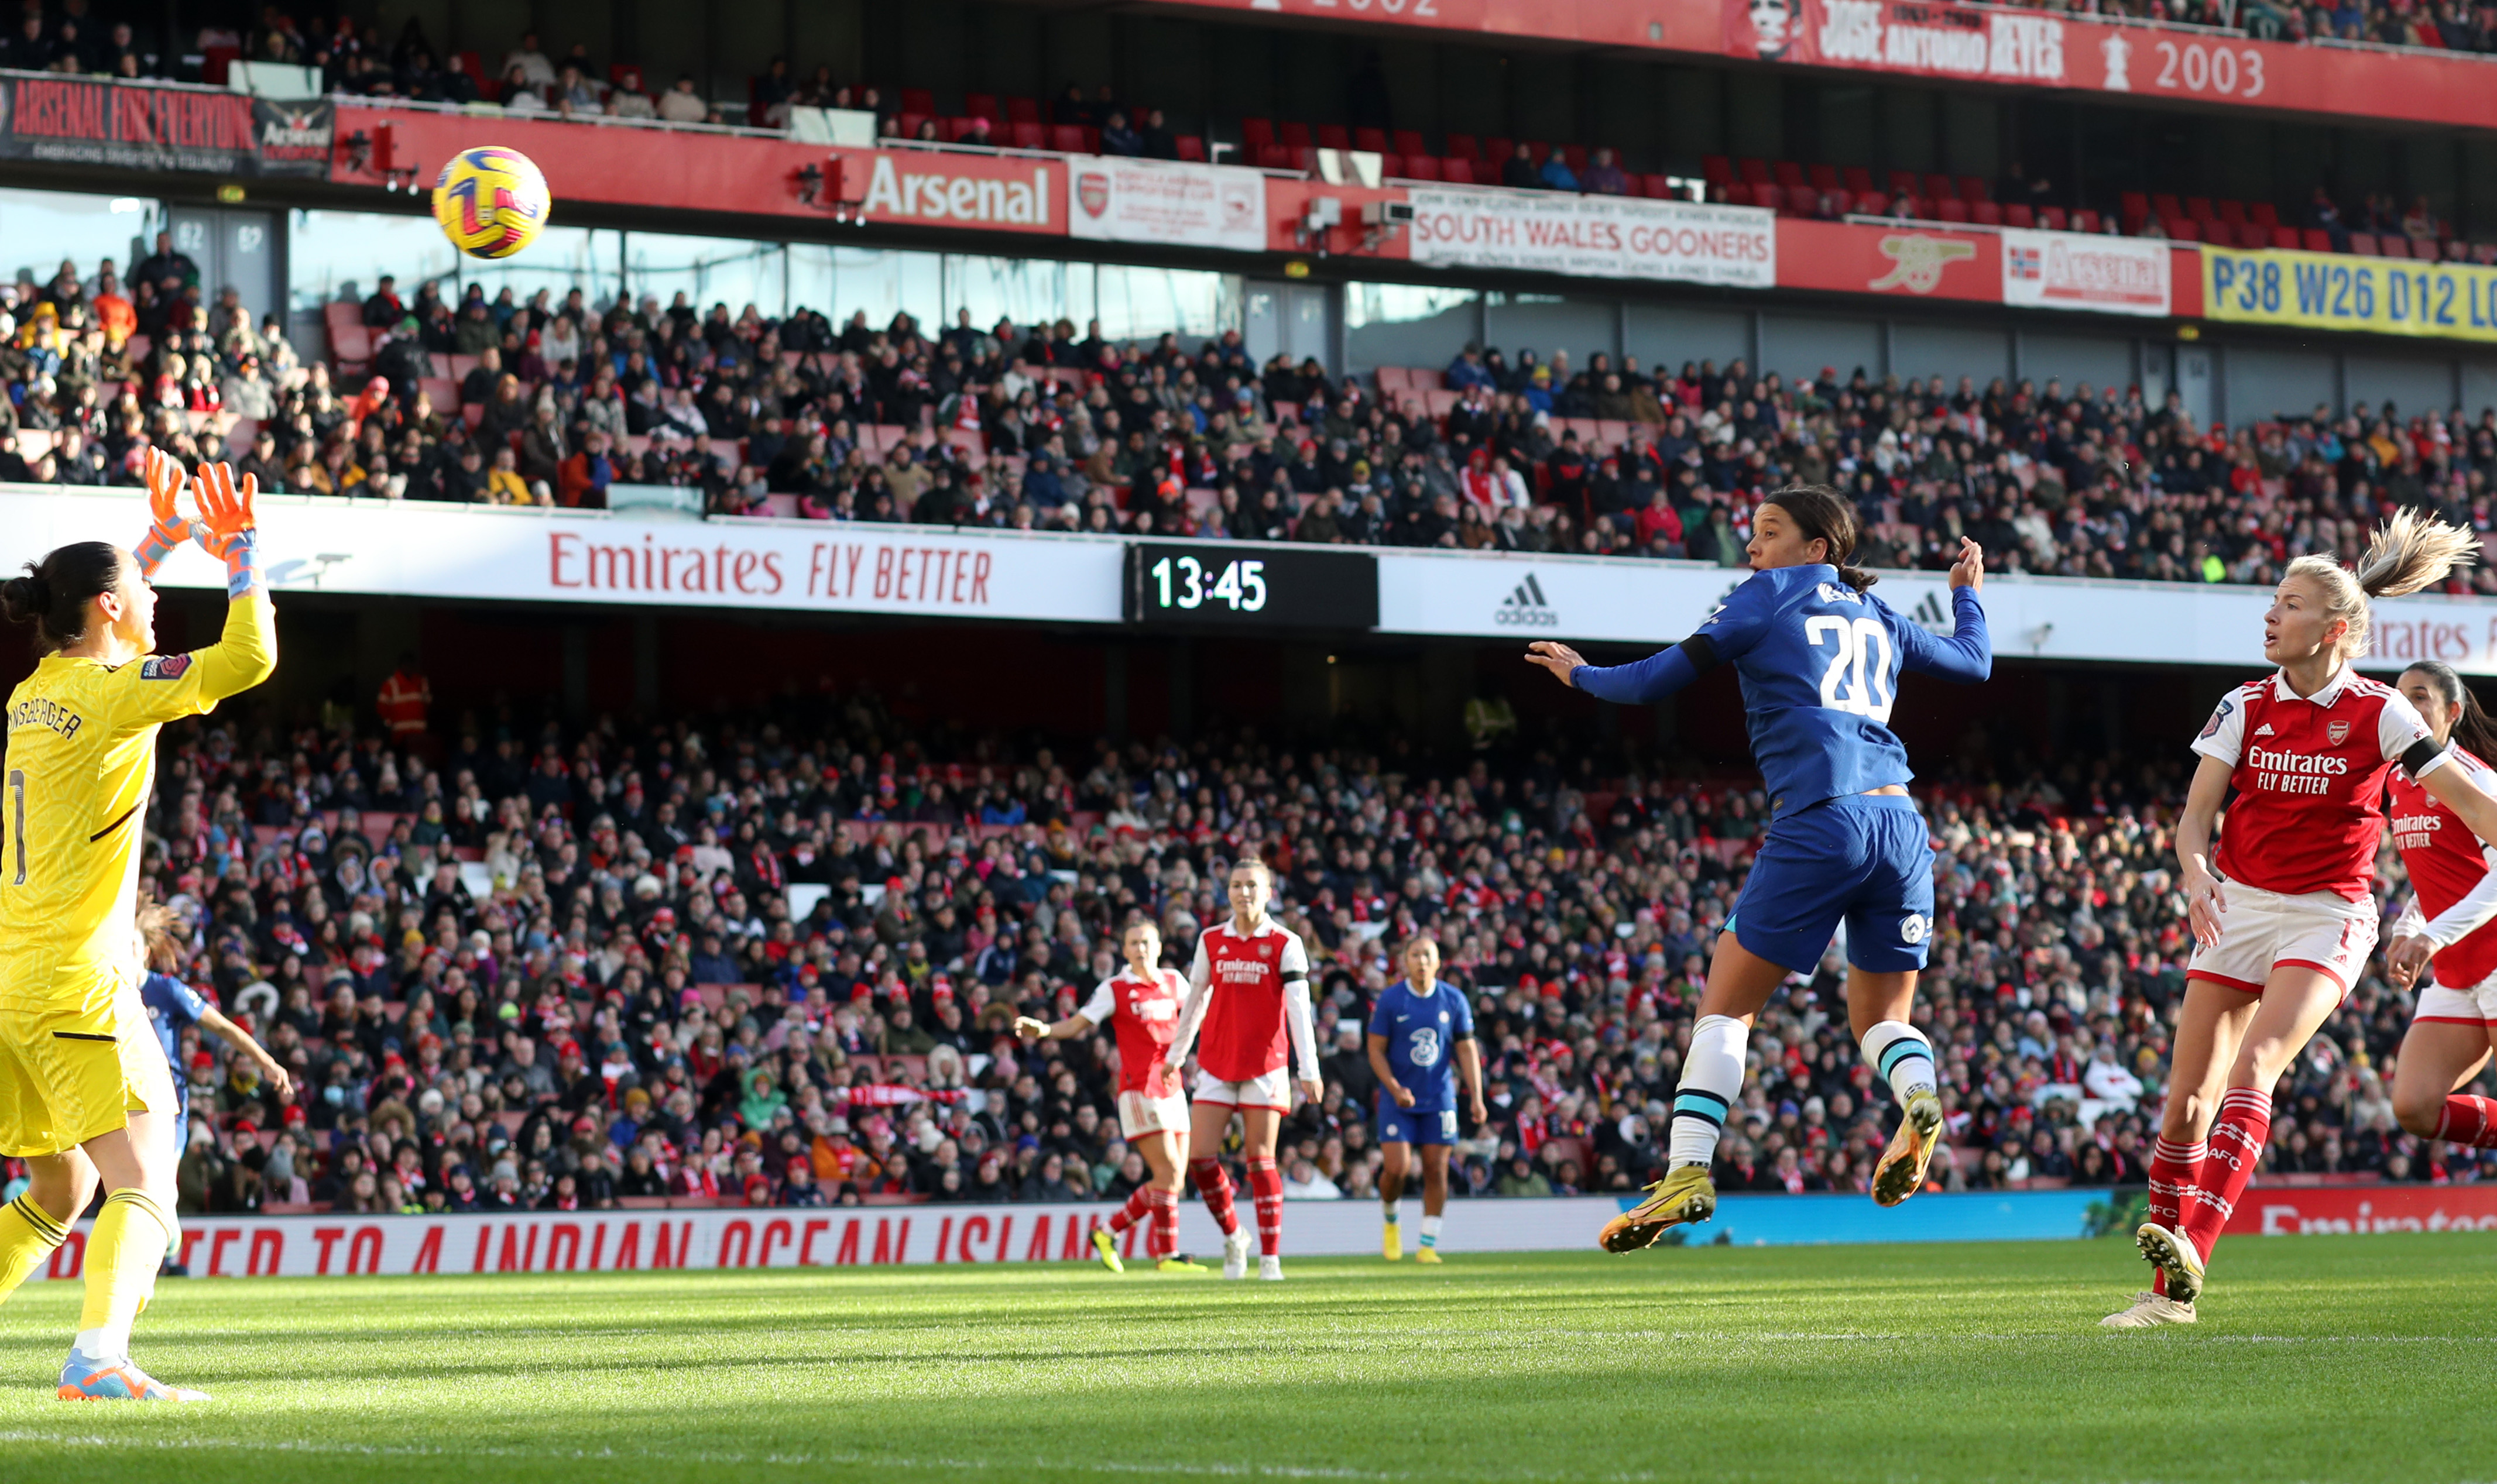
(1237, 585)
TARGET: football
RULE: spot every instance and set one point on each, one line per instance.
(490, 201)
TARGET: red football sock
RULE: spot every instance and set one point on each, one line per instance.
(2237, 1145)
(2467, 1120)
(2171, 1175)
(1266, 1184)
(1161, 1240)
(1138, 1203)
(1212, 1184)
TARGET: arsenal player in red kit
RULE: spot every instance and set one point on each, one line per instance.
(2454, 1023)
(2285, 919)
(1141, 1008)
(1248, 989)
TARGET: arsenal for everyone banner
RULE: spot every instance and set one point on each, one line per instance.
(1595, 237)
(1155, 200)
(90, 121)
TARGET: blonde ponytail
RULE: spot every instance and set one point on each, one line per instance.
(2406, 553)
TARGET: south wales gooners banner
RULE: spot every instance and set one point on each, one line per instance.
(1595, 236)
(2341, 291)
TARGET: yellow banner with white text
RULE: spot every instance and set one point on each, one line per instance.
(2339, 290)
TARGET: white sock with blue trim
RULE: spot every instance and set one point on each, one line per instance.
(1902, 1054)
(1712, 1074)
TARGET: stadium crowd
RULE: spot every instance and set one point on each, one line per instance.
(515, 966)
(557, 398)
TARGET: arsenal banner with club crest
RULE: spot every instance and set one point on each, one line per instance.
(1121, 199)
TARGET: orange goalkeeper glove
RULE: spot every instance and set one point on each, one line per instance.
(165, 478)
(227, 530)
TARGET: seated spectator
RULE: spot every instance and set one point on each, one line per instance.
(1603, 176)
(528, 62)
(681, 104)
(522, 96)
(1555, 173)
(1118, 139)
(1518, 173)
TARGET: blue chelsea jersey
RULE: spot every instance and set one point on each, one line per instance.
(1819, 666)
(1422, 1032)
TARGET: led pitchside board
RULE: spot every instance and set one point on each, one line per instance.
(1235, 586)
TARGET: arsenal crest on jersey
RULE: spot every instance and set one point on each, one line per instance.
(2338, 732)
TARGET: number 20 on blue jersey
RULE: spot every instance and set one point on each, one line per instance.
(1857, 679)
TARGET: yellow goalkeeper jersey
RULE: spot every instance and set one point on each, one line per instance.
(81, 760)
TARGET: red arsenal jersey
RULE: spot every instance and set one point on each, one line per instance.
(2309, 773)
(2446, 861)
(1244, 1035)
(1144, 1015)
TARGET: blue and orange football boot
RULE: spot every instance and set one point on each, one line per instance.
(116, 1380)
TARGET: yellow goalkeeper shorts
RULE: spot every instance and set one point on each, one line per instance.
(63, 1081)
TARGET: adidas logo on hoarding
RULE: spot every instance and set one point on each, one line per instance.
(1527, 607)
(1932, 616)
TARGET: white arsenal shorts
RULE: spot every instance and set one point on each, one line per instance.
(1273, 1090)
(1141, 1114)
(2262, 931)
(2471, 1004)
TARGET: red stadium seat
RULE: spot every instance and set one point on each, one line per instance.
(1856, 178)
(1939, 188)
(1985, 214)
(1739, 194)
(2255, 238)
(918, 100)
(1825, 177)
(1420, 167)
(1333, 136)
(1455, 170)
(2315, 240)
(2286, 239)
(2017, 214)
(1462, 146)
(1067, 138)
(1972, 189)
(2233, 213)
(1497, 150)
(1575, 157)
(2198, 208)
(1024, 135)
(2392, 244)
(1374, 141)
(2261, 214)
(1191, 148)
(957, 130)
(984, 105)
(2164, 205)
(1410, 143)
(1754, 171)
(1903, 183)
(1293, 136)
(1869, 203)
(907, 125)
(1256, 132)
(1716, 170)
(1390, 166)
(2086, 220)
(1950, 209)
(1023, 111)
(1656, 187)
(2183, 229)
(2364, 243)
(1787, 173)
(2049, 218)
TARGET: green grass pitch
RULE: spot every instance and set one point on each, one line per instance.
(2319, 1358)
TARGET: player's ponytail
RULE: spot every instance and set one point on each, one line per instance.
(54, 593)
(2405, 554)
(2472, 730)
(1823, 514)
(158, 935)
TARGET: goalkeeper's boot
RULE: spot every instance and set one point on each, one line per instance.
(1902, 1171)
(1391, 1242)
(116, 1380)
(2149, 1310)
(1684, 1194)
(1177, 1263)
(1427, 1256)
(1106, 1249)
(2172, 1254)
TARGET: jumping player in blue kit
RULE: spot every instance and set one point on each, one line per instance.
(1421, 1039)
(1819, 658)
